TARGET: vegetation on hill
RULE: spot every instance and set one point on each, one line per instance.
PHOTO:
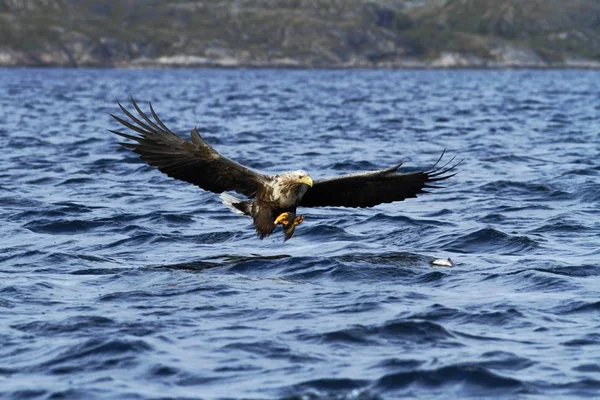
(303, 33)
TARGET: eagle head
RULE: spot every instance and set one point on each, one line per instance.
(289, 187)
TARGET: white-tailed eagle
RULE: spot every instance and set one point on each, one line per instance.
(271, 200)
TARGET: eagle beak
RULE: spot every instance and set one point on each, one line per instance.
(306, 180)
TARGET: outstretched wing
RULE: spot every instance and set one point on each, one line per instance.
(368, 189)
(194, 162)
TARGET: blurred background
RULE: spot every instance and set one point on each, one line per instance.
(301, 33)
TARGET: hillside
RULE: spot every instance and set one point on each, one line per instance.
(301, 33)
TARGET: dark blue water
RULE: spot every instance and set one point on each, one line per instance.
(118, 282)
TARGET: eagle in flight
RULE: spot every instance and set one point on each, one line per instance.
(271, 200)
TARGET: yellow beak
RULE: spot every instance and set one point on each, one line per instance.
(307, 180)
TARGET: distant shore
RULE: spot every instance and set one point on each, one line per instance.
(307, 34)
(445, 61)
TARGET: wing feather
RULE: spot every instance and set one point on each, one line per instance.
(368, 189)
(194, 162)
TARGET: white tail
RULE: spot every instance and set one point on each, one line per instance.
(233, 203)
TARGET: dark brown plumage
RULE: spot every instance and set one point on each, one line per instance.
(272, 199)
(194, 162)
(367, 189)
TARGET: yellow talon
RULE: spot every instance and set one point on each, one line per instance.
(283, 219)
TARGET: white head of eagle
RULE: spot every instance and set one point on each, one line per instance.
(290, 187)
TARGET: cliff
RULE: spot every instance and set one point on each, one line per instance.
(301, 33)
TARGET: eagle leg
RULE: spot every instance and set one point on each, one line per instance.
(288, 230)
(298, 220)
(288, 221)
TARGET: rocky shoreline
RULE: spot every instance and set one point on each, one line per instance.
(444, 61)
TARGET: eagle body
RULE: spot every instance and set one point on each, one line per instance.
(278, 195)
(270, 200)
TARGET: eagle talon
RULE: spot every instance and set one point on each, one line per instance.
(288, 229)
(283, 219)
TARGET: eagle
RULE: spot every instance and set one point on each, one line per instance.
(270, 200)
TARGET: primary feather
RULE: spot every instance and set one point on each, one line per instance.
(194, 162)
(368, 189)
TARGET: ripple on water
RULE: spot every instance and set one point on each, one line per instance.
(589, 193)
(532, 191)
(533, 280)
(326, 232)
(74, 324)
(470, 379)
(577, 306)
(504, 317)
(489, 240)
(400, 332)
(94, 355)
(69, 226)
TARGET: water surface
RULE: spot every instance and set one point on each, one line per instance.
(119, 282)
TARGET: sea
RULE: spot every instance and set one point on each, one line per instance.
(118, 282)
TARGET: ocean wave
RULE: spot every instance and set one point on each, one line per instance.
(470, 379)
(504, 317)
(117, 281)
(94, 355)
(71, 226)
(75, 324)
(536, 191)
(327, 232)
(589, 193)
(489, 240)
(410, 332)
(533, 280)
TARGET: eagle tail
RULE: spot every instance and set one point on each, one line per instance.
(238, 206)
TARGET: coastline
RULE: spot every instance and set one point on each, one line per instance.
(303, 34)
(445, 61)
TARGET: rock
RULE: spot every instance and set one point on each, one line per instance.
(511, 56)
(454, 60)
